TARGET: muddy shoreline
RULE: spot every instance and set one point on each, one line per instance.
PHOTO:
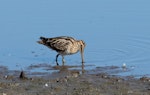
(65, 81)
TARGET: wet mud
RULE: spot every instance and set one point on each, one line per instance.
(66, 80)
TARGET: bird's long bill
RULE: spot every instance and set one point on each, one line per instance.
(82, 53)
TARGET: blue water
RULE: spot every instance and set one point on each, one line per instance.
(116, 32)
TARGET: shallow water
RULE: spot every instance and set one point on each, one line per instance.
(116, 32)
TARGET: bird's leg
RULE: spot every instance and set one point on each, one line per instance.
(57, 58)
(63, 60)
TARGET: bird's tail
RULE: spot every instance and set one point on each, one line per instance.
(43, 40)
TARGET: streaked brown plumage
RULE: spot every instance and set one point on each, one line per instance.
(64, 45)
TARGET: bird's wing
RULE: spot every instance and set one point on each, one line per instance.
(59, 43)
(64, 37)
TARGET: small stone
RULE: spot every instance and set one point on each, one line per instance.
(124, 65)
(130, 92)
(22, 75)
(4, 94)
(46, 85)
(5, 76)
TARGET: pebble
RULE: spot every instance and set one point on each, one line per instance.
(4, 94)
(46, 85)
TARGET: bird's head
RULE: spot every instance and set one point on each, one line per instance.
(82, 46)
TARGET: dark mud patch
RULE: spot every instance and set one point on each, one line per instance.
(71, 82)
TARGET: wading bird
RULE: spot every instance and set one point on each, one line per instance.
(64, 45)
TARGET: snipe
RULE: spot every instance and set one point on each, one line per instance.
(64, 45)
